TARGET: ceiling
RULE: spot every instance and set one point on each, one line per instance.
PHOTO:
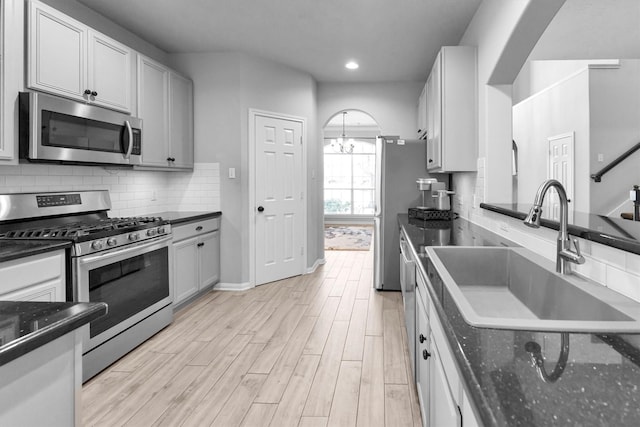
(391, 40)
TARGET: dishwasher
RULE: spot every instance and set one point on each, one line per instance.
(408, 288)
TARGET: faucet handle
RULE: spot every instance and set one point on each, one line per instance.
(580, 258)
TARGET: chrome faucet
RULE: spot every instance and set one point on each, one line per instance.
(564, 254)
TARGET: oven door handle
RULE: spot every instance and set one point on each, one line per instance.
(124, 252)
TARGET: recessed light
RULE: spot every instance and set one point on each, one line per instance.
(352, 65)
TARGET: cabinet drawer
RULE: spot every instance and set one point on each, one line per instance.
(446, 354)
(25, 272)
(196, 228)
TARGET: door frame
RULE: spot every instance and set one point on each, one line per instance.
(253, 113)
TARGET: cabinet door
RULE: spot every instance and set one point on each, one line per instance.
(209, 257)
(110, 72)
(422, 363)
(422, 112)
(443, 409)
(153, 109)
(434, 117)
(185, 269)
(181, 120)
(57, 50)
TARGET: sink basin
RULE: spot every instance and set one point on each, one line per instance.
(514, 288)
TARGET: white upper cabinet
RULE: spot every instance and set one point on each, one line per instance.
(68, 58)
(181, 120)
(165, 105)
(451, 104)
(422, 113)
(153, 109)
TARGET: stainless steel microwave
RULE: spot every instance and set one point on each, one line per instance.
(59, 130)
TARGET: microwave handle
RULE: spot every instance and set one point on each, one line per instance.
(130, 132)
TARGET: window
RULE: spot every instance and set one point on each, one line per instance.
(349, 179)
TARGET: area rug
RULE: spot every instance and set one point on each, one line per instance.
(339, 237)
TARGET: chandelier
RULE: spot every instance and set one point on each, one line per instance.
(342, 144)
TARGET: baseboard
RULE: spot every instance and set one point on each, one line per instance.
(233, 286)
(315, 265)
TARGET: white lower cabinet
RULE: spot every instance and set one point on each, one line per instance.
(442, 397)
(196, 258)
(35, 278)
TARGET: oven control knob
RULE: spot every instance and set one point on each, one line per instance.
(161, 230)
(112, 241)
(97, 245)
(151, 232)
(134, 236)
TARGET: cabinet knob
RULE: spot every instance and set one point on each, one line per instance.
(171, 159)
(425, 354)
(199, 228)
(260, 209)
(422, 338)
(94, 93)
(200, 245)
(87, 91)
(430, 160)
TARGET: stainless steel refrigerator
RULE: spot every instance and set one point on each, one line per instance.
(399, 163)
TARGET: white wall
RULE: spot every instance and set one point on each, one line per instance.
(226, 86)
(394, 106)
(560, 109)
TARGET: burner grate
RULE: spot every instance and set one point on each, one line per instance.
(80, 229)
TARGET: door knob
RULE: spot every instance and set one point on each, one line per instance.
(260, 209)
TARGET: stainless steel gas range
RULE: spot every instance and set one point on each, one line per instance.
(123, 262)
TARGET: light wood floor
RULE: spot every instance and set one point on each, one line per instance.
(323, 349)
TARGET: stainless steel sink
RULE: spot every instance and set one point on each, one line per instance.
(513, 288)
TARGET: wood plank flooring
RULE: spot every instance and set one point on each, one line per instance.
(318, 350)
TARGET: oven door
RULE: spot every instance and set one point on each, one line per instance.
(133, 281)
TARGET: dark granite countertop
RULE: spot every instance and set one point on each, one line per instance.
(11, 249)
(599, 386)
(176, 218)
(618, 233)
(27, 325)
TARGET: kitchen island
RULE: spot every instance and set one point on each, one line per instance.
(41, 361)
(599, 382)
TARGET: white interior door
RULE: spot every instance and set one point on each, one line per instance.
(279, 226)
(560, 167)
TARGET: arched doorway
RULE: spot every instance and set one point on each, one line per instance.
(350, 166)
(350, 194)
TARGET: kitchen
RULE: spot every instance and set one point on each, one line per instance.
(228, 84)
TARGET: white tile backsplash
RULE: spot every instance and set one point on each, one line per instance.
(132, 192)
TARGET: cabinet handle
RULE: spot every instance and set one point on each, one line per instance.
(430, 160)
(260, 209)
(171, 159)
(200, 245)
(199, 228)
(87, 91)
(425, 354)
(422, 338)
(94, 93)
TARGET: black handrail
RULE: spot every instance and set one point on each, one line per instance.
(597, 177)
